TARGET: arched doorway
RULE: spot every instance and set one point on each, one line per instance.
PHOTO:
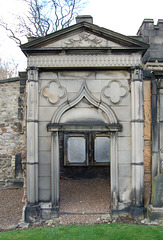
(84, 133)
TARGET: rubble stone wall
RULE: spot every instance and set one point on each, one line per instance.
(12, 135)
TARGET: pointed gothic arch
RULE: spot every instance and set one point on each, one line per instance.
(84, 93)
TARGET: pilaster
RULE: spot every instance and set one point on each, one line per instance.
(137, 137)
(32, 136)
(55, 170)
(114, 172)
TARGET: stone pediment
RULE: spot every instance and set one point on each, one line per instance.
(82, 39)
(83, 35)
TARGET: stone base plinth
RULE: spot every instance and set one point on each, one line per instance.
(155, 213)
(42, 211)
(132, 211)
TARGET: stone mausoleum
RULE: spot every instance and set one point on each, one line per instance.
(93, 110)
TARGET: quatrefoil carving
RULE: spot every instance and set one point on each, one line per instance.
(115, 91)
(54, 92)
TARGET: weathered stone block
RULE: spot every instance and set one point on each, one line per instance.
(47, 75)
(124, 171)
(20, 101)
(46, 214)
(77, 74)
(147, 157)
(161, 107)
(124, 157)
(44, 183)
(124, 143)
(157, 191)
(42, 128)
(46, 113)
(147, 189)
(155, 213)
(22, 89)
(32, 214)
(126, 129)
(117, 75)
(44, 170)
(20, 113)
(45, 143)
(18, 166)
(44, 157)
(44, 195)
(123, 114)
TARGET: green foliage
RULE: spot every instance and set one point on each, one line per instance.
(86, 232)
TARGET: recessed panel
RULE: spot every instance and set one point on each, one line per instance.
(102, 149)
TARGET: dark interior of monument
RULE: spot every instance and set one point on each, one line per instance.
(83, 188)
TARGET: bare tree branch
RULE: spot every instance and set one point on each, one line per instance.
(10, 32)
(43, 17)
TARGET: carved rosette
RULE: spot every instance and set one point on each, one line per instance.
(115, 91)
(54, 92)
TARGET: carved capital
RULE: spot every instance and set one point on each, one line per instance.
(137, 74)
(32, 74)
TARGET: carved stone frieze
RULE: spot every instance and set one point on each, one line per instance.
(54, 92)
(115, 91)
(85, 60)
(88, 40)
(83, 39)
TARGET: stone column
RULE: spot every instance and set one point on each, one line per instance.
(137, 138)
(32, 136)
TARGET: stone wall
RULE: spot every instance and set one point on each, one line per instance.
(12, 134)
(147, 141)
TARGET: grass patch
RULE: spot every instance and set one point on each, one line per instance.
(90, 232)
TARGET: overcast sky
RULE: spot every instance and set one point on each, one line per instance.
(123, 16)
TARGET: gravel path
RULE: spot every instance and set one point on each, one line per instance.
(85, 200)
(82, 202)
(85, 196)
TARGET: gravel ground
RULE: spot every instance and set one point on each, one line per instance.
(82, 202)
(10, 206)
(85, 196)
(85, 201)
